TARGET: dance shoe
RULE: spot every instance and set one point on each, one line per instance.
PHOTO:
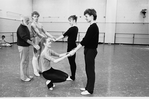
(85, 93)
(26, 80)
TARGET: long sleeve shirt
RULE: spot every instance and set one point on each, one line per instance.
(91, 38)
(72, 36)
(23, 34)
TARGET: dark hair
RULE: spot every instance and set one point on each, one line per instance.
(74, 17)
(91, 12)
(3, 36)
(35, 13)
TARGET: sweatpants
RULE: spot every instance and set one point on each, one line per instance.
(90, 55)
(24, 62)
(55, 75)
(72, 63)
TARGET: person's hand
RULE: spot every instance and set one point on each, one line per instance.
(55, 61)
(53, 39)
(36, 46)
(71, 53)
(63, 54)
(32, 38)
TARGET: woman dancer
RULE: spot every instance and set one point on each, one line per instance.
(52, 75)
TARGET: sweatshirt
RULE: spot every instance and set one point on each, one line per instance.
(91, 38)
(23, 34)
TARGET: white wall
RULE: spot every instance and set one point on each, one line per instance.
(130, 20)
(11, 12)
(110, 26)
(54, 15)
(127, 17)
(60, 10)
(17, 7)
(65, 8)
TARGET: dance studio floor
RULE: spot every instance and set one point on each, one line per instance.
(121, 71)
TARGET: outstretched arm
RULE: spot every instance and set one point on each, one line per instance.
(60, 37)
(55, 60)
(48, 34)
(59, 59)
(53, 53)
(37, 31)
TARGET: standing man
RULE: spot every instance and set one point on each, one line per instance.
(38, 33)
(90, 43)
(23, 42)
(71, 33)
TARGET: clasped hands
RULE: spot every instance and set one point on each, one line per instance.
(37, 47)
(71, 53)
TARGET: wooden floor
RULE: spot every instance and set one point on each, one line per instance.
(121, 71)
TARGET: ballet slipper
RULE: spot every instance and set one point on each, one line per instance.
(50, 85)
(26, 80)
(85, 93)
(69, 79)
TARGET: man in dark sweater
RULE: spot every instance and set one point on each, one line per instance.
(90, 43)
(23, 42)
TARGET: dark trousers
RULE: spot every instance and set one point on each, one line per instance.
(55, 75)
(72, 63)
(90, 55)
(71, 59)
